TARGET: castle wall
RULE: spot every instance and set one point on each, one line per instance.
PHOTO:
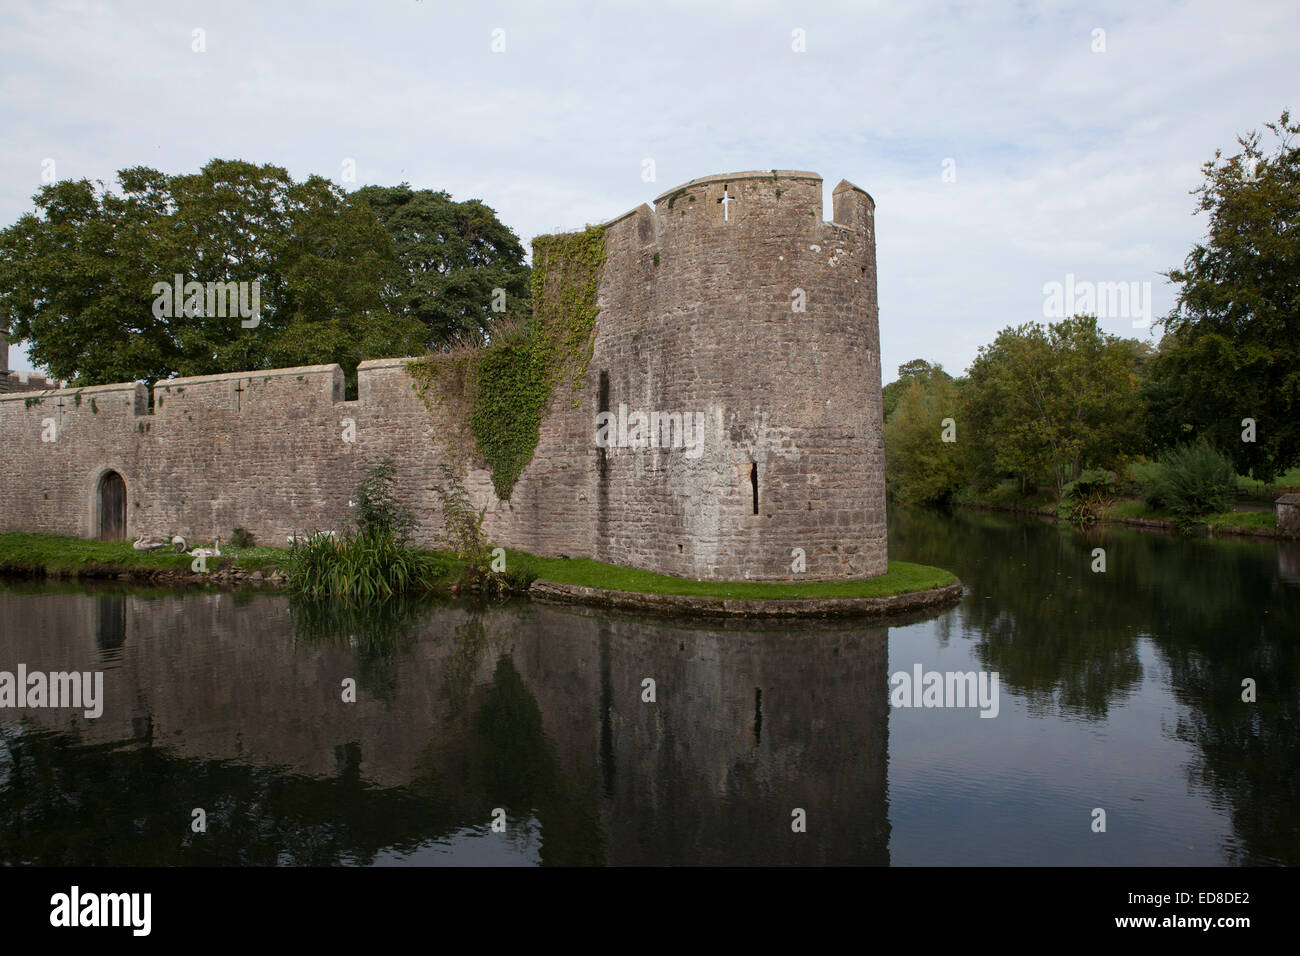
(59, 445)
(756, 318)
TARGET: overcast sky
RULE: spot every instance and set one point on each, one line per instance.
(1066, 160)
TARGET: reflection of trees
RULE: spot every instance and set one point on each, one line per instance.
(1250, 753)
(1053, 630)
(1217, 610)
(503, 759)
(471, 641)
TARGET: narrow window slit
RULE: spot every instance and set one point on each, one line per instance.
(753, 482)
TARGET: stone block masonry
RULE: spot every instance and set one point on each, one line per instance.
(729, 300)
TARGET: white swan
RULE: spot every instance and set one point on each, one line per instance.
(149, 542)
(212, 552)
(180, 544)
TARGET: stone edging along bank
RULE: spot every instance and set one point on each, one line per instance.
(223, 576)
(548, 592)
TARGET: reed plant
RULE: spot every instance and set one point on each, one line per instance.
(372, 562)
(359, 565)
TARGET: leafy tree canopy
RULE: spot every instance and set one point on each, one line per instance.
(453, 258)
(908, 373)
(923, 467)
(339, 277)
(1231, 349)
(1046, 401)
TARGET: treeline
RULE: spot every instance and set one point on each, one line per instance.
(1047, 405)
(341, 277)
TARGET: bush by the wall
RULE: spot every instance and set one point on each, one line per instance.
(498, 394)
(378, 509)
(1191, 481)
(464, 536)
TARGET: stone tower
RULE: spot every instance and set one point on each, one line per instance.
(733, 300)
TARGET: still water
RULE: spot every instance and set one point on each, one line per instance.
(1119, 690)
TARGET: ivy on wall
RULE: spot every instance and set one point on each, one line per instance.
(498, 394)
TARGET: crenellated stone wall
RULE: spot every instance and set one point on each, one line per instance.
(729, 301)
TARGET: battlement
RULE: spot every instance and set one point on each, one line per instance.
(302, 386)
(238, 392)
(127, 398)
(778, 201)
(743, 202)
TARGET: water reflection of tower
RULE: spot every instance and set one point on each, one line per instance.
(746, 727)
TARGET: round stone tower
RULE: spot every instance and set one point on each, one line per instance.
(733, 308)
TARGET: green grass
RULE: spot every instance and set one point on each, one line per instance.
(1288, 479)
(1245, 520)
(1136, 508)
(1250, 520)
(1252, 489)
(55, 553)
(1225, 520)
(261, 558)
(1007, 496)
(22, 551)
(901, 578)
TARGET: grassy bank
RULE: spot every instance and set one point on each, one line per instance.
(901, 578)
(1124, 510)
(1240, 522)
(43, 554)
(23, 553)
(1254, 490)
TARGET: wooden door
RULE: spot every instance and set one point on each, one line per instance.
(112, 507)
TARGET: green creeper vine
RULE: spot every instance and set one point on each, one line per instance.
(498, 394)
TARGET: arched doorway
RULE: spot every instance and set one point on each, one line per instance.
(112, 507)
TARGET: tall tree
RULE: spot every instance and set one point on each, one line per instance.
(917, 370)
(454, 256)
(1045, 402)
(1231, 349)
(79, 278)
(923, 467)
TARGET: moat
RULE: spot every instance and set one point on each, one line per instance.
(1119, 690)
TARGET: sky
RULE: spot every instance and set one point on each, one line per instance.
(1008, 146)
